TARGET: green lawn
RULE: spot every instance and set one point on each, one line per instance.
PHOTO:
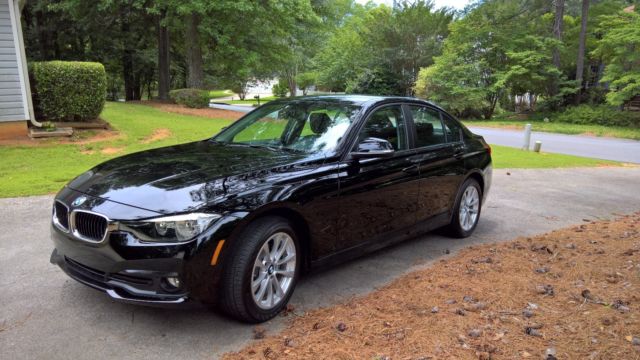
(214, 94)
(30, 170)
(507, 157)
(561, 128)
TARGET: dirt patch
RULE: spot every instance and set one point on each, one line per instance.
(95, 137)
(112, 150)
(158, 134)
(569, 294)
(206, 112)
(80, 137)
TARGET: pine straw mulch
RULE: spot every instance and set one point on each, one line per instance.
(569, 294)
(183, 110)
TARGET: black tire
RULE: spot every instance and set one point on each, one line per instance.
(237, 299)
(455, 228)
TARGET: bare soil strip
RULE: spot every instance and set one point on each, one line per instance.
(206, 112)
(569, 294)
(157, 135)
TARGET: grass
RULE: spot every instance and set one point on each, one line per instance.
(214, 94)
(510, 158)
(561, 128)
(29, 170)
(33, 170)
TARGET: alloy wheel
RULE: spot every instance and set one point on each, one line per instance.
(273, 271)
(469, 207)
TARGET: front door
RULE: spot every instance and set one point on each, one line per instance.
(378, 196)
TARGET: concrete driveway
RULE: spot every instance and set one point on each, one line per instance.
(44, 314)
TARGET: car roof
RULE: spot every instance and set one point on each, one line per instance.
(363, 100)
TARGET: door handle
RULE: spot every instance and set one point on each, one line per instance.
(410, 169)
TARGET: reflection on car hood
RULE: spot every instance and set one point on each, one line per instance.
(184, 177)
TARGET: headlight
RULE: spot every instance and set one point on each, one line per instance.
(170, 228)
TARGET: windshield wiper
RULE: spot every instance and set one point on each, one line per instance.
(263, 146)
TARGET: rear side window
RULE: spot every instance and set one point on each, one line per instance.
(429, 130)
(452, 128)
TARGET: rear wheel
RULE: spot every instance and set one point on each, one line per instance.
(467, 210)
(263, 270)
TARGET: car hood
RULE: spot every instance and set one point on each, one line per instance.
(185, 177)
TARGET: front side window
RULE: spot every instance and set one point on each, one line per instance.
(429, 130)
(387, 124)
(304, 126)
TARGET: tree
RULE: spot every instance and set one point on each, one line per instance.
(493, 53)
(306, 80)
(377, 41)
(581, 47)
(620, 48)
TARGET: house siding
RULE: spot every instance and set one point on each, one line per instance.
(13, 106)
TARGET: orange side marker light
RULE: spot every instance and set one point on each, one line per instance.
(214, 259)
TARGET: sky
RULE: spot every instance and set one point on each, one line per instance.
(458, 4)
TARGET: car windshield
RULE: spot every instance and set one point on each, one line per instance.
(303, 125)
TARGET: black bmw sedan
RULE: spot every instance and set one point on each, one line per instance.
(296, 184)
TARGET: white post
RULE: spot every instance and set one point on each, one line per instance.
(527, 137)
(537, 145)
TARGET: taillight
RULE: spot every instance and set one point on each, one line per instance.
(488, 148)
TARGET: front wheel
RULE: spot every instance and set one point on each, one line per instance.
(466, 212)
(262, 272)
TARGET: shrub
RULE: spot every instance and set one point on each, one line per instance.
(193, 98)
(375, 82)
(598, 115)
(67, 90)
(280, 89)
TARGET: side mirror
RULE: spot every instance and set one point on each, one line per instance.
(371, 148)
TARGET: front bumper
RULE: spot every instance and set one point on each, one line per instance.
(133, 271)
(132, 286)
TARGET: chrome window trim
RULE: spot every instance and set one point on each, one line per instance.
(77, 235)
(55, 217)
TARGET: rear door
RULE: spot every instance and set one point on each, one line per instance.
(439, 161)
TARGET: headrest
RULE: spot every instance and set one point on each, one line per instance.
(380, 120)
(319, 122)
(424, 128)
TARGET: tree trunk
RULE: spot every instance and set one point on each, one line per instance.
(137, 87)
(557, 31)
(195, 76)
(127, 60)
(163, 57)
(557, 34)
(488, 111)
(293, 87)
(581, 47)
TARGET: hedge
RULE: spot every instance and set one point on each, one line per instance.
(193, 98)
(67, 90)
(598, 115)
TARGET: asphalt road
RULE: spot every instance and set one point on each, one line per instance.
(45, 315)
(238, 108)
(588, 146)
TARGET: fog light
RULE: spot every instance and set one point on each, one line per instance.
(173, 281)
